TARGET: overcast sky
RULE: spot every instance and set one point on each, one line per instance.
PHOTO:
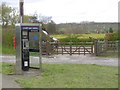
(63, 11)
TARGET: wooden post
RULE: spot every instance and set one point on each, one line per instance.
(84, 50)
(106, 45)
(79, 50)
(47, 48)
(57, 47)
(21, 3)
(70, 48)
(91, 49)
(96, 47)
(62, 49)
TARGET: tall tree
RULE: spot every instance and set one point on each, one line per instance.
(6, 10)
(14, 17)
(8, 15)
(110, 30)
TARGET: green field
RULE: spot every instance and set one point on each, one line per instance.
(79, 37)
(96, 36)
(69, 76)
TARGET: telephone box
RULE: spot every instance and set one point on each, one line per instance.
(28, 39)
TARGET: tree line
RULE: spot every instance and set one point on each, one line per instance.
(9, 16)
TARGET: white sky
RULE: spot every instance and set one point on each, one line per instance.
(63, 11)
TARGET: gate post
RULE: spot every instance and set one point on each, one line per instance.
(47, 48)
(70, 48)
(92, 47)
(106, 45)
(96, 47)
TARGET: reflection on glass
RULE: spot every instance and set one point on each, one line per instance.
(34, 40)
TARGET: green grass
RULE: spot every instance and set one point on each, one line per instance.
(60, 36)
(7, 68)
(73, 76)
(0, 49)
(8, 50)
(68, 76)
(0, 67)
(12, 51)
(96, 36)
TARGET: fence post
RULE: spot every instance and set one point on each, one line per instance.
(92, 46)
(84, 50)
(57, 47)
(96, 47)
(106, 45)
(62, 47)
(47, 48)
(70, 48)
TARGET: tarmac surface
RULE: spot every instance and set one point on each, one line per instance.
(67, 59)
(8, 81)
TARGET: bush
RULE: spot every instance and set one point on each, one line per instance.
(111, 36)
(7, 36)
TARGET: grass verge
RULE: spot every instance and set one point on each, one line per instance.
(8, 50)
(73, 76)
(7, 68)
(68, 76)
(0, 49)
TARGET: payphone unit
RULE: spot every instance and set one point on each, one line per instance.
(28, 39)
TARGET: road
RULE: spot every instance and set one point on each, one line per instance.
(67, 59)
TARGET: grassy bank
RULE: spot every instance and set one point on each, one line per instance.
(69, 76)
(73, 76)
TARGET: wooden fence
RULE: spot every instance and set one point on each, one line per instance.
(101, 47)
(95, 48)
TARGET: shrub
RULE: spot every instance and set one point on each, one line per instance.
(111, 36)
(7, 36)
